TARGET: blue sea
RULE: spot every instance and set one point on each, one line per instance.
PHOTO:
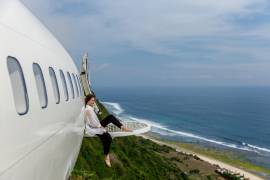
(230, 118)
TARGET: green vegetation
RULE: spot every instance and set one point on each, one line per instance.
(131, 158)
(230, 176)
(138, 158)
(227, 157)
(104, 112)
(194, 171)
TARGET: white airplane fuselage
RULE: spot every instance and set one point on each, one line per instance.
(41, 143)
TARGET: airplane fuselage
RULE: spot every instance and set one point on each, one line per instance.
(41, 122)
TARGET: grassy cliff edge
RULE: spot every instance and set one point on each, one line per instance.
(138, 158)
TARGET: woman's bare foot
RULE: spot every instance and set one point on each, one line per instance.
(125, 129)
(108, 161)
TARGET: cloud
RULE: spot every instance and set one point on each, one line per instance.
(209, 35)
(144, 25)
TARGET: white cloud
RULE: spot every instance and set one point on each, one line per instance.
(203, 29)
(140, 24)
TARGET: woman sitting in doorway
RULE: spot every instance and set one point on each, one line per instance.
(96, 127)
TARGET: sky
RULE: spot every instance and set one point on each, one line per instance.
(164, 42)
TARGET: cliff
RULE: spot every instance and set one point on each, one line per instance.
(138, 158)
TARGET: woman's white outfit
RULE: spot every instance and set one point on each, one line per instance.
(92, 123)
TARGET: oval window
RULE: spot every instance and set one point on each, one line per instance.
(71, 85)
(40, 83)
(64, 83)
(75, 82)
(19, 90)
(54, 85)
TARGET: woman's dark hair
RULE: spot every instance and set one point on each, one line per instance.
(88, 97)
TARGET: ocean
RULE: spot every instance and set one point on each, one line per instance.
(231, 118)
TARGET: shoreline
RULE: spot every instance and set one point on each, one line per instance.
(205, 158)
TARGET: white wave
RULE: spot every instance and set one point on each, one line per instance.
(153, 124)
(259, 148)
(190, 135)
(114, 107)
(163, 130)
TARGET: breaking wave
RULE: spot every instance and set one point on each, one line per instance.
(161, 129)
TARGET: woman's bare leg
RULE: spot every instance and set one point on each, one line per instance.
(106, 140)
(107, 160)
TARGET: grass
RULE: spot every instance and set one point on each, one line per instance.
(227, 157)
(132, 158)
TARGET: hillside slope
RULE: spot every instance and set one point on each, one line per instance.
(138, 158)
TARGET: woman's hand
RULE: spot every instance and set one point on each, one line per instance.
(105, 130)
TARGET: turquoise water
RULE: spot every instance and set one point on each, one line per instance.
(233, 118)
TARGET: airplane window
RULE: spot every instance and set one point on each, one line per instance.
(54, 85)
(75, 82)
(64, 83)
(80, 87)
(71, 85)
(40, 83)
(18, 85)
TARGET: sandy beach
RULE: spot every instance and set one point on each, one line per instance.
(207, 159)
